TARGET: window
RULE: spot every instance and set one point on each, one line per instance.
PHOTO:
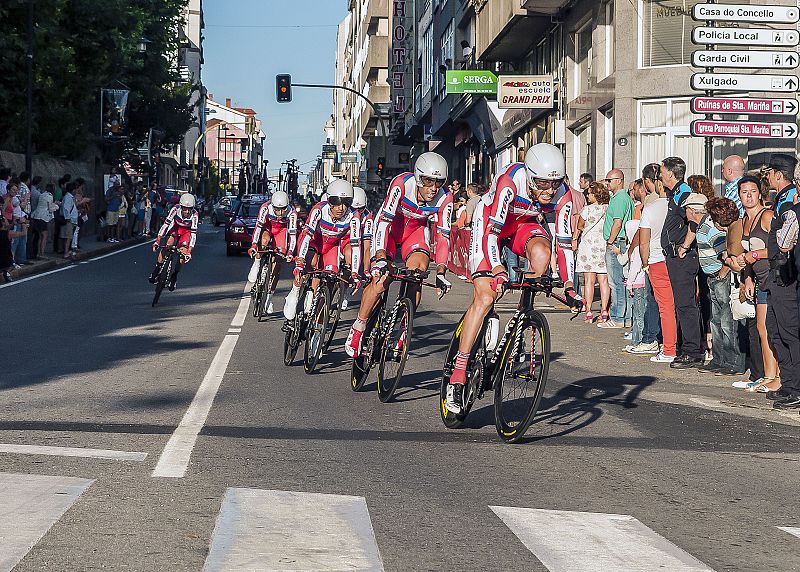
(610, 39)
(427, 60)
(582, 150)
(583, 59)
(665, 32)
(664, 132)
(447, 53)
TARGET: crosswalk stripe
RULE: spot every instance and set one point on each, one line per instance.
(793, 530)
(29, 506)
(567, 541)
(15, 448)
(274, 531)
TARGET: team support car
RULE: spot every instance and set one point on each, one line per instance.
(223, 210)
(239, 233)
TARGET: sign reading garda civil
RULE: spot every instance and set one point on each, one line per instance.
(744, 82)
(757, 59)
(742, 129)
(471, 81)
(746, 36)
(747, 13)
(739, 105)
(525, 92)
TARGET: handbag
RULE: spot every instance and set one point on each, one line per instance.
(740, 310)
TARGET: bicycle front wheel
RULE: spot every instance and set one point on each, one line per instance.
(291, 340)
(363, 363)
(266, 282)
(521, 376)
(258, 291)
(317, 328)
(339, 291)
(161, 280)
(394, 352)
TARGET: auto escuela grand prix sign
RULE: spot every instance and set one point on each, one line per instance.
(525, 92)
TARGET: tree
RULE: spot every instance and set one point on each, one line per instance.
(82, 46)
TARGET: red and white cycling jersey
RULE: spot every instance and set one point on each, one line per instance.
(402, 220)
(367, 225)
(506, 211)
(283, 230)
(327, 237)
(185, 228)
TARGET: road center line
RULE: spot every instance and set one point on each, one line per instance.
(175, 457)
(71, 452)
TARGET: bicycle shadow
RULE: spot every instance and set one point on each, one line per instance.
(573, 407)
(425, 381)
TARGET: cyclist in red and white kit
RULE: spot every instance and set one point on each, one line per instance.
(367, 228)
(333, 229)
(276, 227)
(416, 217)
(511, 212)
(180, 226)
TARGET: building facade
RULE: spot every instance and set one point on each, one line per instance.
(230, 145)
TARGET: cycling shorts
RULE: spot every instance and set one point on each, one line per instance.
(279, 237)
(329, 251)
(182, 234)
(411, 238)
(515, 234)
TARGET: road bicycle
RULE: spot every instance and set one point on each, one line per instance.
(314, 323)
(261, 289)
(172, 257)
(387, 335)
(515, 367)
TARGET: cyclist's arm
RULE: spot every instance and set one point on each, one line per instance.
(168, 222)
(355, 245)
(387, 213)
(195, 224)
(260, 223)
(502, 201)
(442, 236)
(292, 233)
(309, 231)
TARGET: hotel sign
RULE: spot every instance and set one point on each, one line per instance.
(401, 78)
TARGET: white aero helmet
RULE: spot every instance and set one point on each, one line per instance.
(280, 200)
(431, 165)
(545, 161)
(340, 189)
(187, 200)
(359, 198)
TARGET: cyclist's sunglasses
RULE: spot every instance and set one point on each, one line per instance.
(547, 183)
(338, 201)
(431, 182)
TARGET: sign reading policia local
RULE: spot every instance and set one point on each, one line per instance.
(471, 81)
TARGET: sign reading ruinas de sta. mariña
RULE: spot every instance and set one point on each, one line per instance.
(525, 92)
(401, 80)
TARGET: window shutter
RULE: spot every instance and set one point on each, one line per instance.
(667, 32)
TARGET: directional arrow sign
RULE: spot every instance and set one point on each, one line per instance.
(745, 106)
(747, 13)
(746, 36)
(742, 129)
(744, 82)
(745, 59)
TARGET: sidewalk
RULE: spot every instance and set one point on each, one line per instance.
(90, 247)
(599, 352)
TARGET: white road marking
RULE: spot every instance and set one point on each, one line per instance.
(34, 277)
(567, 541)
(793, 530)
(274, 531)
(121, 250)
(234, 330)
(72, 452)
(175, 457)
(244, 305)
(29, 506)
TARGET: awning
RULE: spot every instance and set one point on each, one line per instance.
(485, 124)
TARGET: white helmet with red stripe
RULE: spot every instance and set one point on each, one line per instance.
(545, 162)
(431, 165)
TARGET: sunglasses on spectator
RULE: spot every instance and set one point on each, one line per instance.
(339, 201)
(431, 182)
(613, 179)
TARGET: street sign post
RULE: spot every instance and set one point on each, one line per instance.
(743, 129)
(471, 81)
(745, 82)
(329, 151)
(751, 14)
(744, 106)
(348, 158)
(525, 92)
(757, 59)
(746, 36)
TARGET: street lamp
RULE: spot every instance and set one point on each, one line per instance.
(141, 44)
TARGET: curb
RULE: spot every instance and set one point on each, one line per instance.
(52, 264)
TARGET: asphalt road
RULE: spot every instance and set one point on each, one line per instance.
(617, 475)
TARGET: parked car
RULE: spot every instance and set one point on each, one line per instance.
(223, 210)
(239, 233)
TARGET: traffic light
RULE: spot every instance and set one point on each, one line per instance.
(283, 86)
(379, 166)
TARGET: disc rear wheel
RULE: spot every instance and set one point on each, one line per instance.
(337, 298)
(363, 363)
(394, 351)
(455, 420)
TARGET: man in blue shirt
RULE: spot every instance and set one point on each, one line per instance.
(732, 171)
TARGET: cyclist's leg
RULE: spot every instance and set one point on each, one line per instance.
(417, 260)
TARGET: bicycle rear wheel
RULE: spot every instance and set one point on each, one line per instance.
(394, 350)
(317, 328)
(521, 376)
(363, 363)
(291, 339)
(266, 283)
(161, 280)
(475, 366)
(337, 297)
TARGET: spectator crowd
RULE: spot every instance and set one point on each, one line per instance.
(693, 278)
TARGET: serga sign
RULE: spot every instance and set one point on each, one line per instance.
(525, 92)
